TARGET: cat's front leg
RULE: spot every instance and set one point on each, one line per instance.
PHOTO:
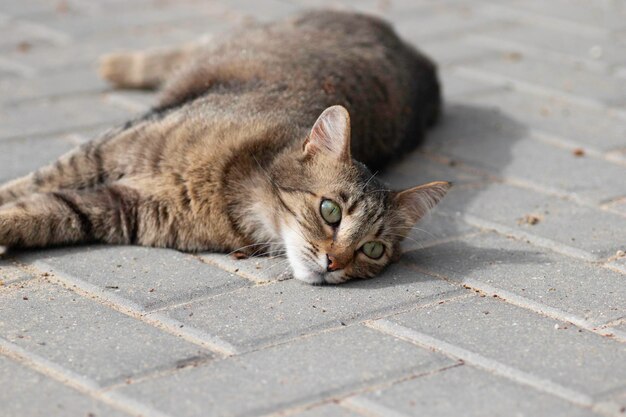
(107, 214)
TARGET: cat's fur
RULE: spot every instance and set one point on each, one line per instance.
(234, 157)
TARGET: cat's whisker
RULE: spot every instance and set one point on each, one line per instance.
(280, 264)
(369, 180)
(271, 254)
(415, 228)
(406, 237)
(254, 244)
(267, 174)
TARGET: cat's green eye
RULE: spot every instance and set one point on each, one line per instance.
(373, 249)
(331, 212)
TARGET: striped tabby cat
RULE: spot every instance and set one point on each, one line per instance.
(261, 143)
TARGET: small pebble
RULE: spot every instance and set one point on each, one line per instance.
(596, 52)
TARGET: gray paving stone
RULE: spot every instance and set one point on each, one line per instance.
(450, 52)
(301, 372)
(20, 156)
(586, 362)
(27, 393)
(85, 54)
(454, 87)
(73, 82)
(466, 391)
(272, 9)
(132, 100)
(7, 71)
(435, 228)
(618, 206)
(600, 129)
(594, 50)
(128, 21)
(565, 226)
(53, 116)
(10, 274)
(22, 8)
(90, 8)
(490, 139)
(549, 78)
(20, 36)
(575, 287)
(267, 314)
(620, 327)
(87, 337)
(601, 15)
(149, 277)
(416, 169)
(447, 22)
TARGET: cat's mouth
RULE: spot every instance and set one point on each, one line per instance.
(311, 271)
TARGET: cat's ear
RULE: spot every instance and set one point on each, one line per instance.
(415, 202)
(330, 134)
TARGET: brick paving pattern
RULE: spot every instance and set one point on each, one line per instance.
(510, 299)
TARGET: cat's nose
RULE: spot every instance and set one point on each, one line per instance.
(332, 263)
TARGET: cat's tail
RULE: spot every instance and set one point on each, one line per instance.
(147, 69)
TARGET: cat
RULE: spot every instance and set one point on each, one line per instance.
(262, 142)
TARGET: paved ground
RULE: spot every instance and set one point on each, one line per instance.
(511, 301)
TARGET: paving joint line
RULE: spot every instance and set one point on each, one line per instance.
(58, 38)
(560, 23)
(528, 304)
(343, 399)
(117, 99)
(534, 239)
(240, 273)
(436, 242)
(64, 131)
(433, 300)
(517, 181)
(371, 407)
(97, 91)
(520, 182)
(131, 309)
(75, 381)
(591, 65)
(157, 373)
(478, 74)
(20, 70)
(561, 142)
(428, 342)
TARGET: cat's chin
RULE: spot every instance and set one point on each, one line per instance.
(316, 278)
(310, 277)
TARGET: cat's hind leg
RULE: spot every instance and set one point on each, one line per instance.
(150, 68)
(106, 214)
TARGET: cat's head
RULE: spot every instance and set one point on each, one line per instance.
(336, 220)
